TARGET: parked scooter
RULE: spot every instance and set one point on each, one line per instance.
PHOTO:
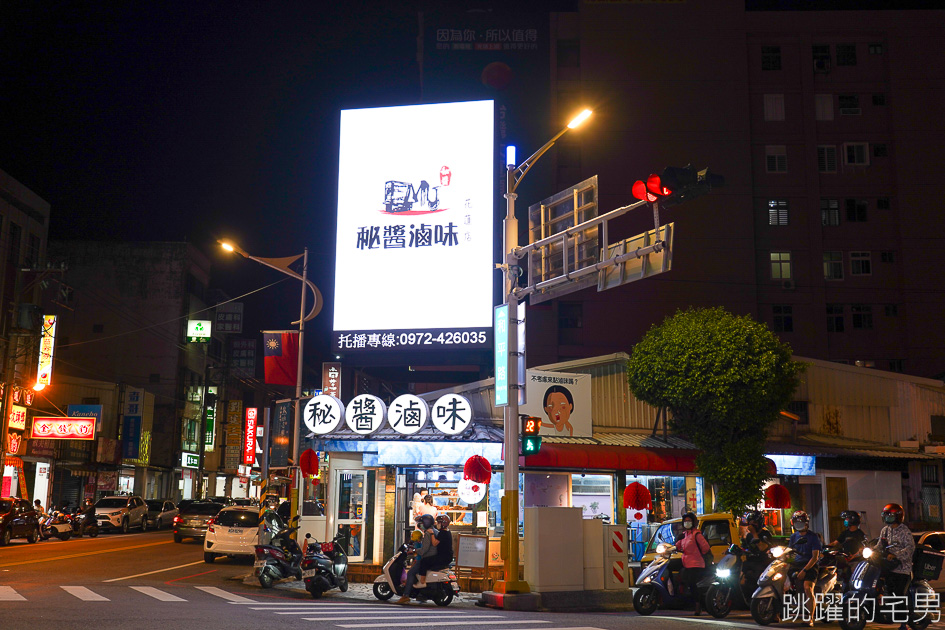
(655, 586)
(441, 585)
(324, 566)
(55, 524)
(862, 602)
(280, 559)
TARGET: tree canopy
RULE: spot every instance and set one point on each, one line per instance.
(724, 379)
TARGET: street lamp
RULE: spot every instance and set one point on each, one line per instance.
(282, 265)
(511, 583)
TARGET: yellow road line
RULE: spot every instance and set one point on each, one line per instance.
(79, 555)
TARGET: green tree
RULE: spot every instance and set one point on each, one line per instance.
(724, 379)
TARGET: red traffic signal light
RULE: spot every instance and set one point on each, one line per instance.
(651, 190)
(531, 425)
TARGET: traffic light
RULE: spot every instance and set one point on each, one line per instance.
(652, 190)
(676, 185)
(531, 441)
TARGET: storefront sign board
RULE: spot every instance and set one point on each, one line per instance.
(561, 400)
(408, 414)
(323, 414)
(365, 414)
(54, 428)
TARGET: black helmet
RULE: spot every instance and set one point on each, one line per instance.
(443, 521)
(895, 511)
(691, 516)
(850, 517)
(754, 517)
(800, 517)
(426, 521)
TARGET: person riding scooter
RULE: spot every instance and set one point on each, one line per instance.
(852, 539)
(88, 515)
(805, 561)
(443, 542)
(897, 542)
(427, 549)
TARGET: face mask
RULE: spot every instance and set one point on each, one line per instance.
(889, 519)
(846, 523)
(687, 524)
(800, 526)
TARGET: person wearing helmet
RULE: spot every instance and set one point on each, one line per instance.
(425, 523)
(895, 540)
(694, 547)
(806, 558)
(852, 538)
(759, 538)
(443, 542)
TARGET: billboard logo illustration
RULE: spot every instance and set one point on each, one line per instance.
(403, 199)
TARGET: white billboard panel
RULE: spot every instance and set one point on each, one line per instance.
(414, 257)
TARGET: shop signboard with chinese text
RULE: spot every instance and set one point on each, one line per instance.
(249, 436)
(279, 430)
(229, 318)
(189, 460)
(331, 379)
(198, 330)
(57, 428)
(414, 244)
(323, 414)
(86, 411)
(47, 343)
(562, 401)
(131, 422)
(234, 435)
(17, 418)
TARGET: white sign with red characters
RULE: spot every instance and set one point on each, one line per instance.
(249, 436)
(63, 428)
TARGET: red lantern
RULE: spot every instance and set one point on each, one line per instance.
(308, 462)
(777, 497)
(636, 496)
(478, 469)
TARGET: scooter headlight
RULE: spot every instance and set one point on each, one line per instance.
(777, 576)
(777, 552)
(867, 552)
(723, 573)
(646, 580)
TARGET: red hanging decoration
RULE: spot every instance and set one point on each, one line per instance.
(636, 496)
(772, 467)
(777, 497)
(478, 469)
(308, 462)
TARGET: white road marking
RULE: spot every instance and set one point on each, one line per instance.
(400, 610)
(128, 577)
(84, 594)
(715, 622)
(414, 624)
(158, 594)
(219, 592)
(7, 594)
(477, 617)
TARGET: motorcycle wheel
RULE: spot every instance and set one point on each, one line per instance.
(763, 611)
(381, 591)
(343, 585)
(178, 538)
(44, 534)
(646, 601)
(93, 531)
(920, 625)
(64, 536)
(314, 591)
(718, 601)
(265, 580)
(443, 596)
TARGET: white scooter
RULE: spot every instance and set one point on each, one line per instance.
(441, 585)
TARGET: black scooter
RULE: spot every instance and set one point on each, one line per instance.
(81, 525)
(734, 581)
(325, 566)
(280, 559)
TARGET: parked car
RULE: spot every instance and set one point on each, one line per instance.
(160, 512)
(17, 520)
(936, 540)
(234, 531)
(223, 500)
(246, 501)
(121, 513)
(192, 520)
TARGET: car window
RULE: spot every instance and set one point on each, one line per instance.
(6, 505)
(716, 532)
(665, 534)
(168, 506)
(203, 508)
(154, 505)
(238, 518)
(112, 502)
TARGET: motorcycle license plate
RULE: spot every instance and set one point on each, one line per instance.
(455, 587)
(259, 564)
(308, 573)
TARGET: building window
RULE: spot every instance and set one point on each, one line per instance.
(887, 257)
(780, 265)
(856, 154)
(32, 251)
(862, 316)
(823, 106)
(830, 211)
(856, 210)
(896, 365)
(14, 241)
(827, 159)
(882, 203)
(833, 265)
(821, 58)
(860, 264)
(879, 99)
(98, 328)
(777, 212)
(846, 54)
(776, 158)
(880, 150)
(876, 49)
(891, 310)
(569, 53)
(849, 105)
(783, 318)
(770, 57)
(774, 106)
(835, 318)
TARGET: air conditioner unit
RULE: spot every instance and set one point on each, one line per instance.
(822, 65)
(787, 284)
(850, 111)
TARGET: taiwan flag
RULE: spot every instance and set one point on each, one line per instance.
(281, 352)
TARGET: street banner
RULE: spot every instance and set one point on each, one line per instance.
(281, 356)
(280, 431)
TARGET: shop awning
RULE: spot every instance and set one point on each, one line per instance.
(595, 457)
(16, 462)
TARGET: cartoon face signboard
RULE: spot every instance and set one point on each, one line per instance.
(562, 401)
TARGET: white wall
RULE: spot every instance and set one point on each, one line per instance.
(868, 491)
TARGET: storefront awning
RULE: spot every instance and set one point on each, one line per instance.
(629, 458)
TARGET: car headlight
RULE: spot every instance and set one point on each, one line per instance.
(723, 573)
(777, 552)
(867, 552)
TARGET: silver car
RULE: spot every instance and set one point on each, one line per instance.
(121, 512)
(192, 520)
(160, 512)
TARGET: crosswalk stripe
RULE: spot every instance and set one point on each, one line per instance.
(84, 594)
(377, 609)
(158, 594)
(477, 617)
(7, 594)
(414, 624)
(264, 605)
(219, 592)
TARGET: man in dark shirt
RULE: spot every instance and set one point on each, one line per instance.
(805, 560)
(852, 539)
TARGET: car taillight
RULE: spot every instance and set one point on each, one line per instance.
(178, 520)
(210, 525)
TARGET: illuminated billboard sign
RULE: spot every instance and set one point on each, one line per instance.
(47, 342)
(414, 248)
(249, 436)
(46, 428)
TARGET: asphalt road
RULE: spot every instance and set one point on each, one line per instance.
(146, 581)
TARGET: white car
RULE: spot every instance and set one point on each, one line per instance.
(234, 531)
(122, 513)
